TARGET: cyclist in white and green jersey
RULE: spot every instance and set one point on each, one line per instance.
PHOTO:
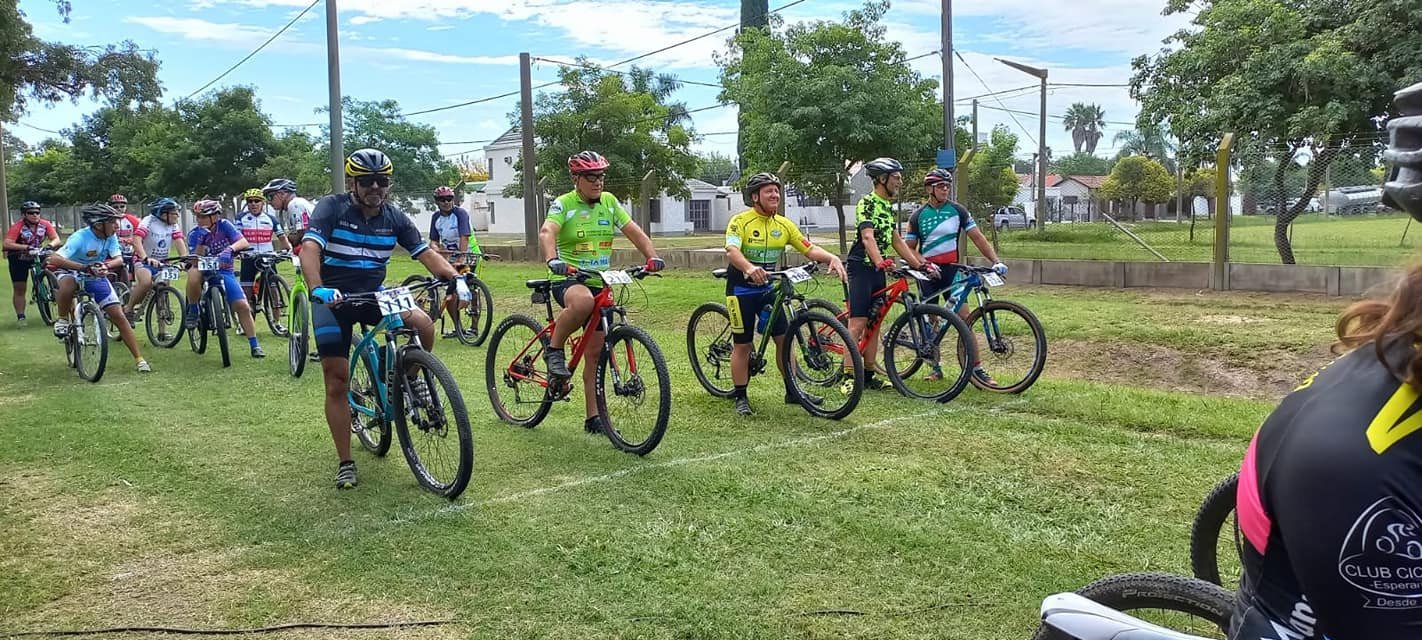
(578, 235)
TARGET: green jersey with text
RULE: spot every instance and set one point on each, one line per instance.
(585, 229)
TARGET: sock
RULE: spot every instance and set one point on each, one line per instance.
(252, 342)
(20, 317)
(740, 391)
(192, 309)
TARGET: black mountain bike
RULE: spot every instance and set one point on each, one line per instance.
(471, 323)
(270, 292)
(163, 310)
(214, 314)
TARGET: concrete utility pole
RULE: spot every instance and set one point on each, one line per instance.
(1041, 140)
(4, 186)
(950, 127)
(333, 75)
(530, 162)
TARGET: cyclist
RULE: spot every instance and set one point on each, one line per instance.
(938, 225)
(450, 231)
(755, 240)
(215, 236)
(878, 229)
(94, 249)
(29, 233)
(293, 211)
(348, 245)
(159, 231)
(263, 233)
(578, 235)
(128, 240)
(1330, 492)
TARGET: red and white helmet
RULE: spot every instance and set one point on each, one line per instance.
(207, 207)
(444, 192)
(587, 161)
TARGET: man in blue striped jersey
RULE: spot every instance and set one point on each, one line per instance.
(352, 236)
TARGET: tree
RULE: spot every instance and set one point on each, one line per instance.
(1137, 178)
(826, 95)
(36, 71)
(715, 168)
(298, 156)
(625, 117)
(1085, 122)
(1081, 164)
(990, 182)
(412, 148)
(1284, 75)
(1148, 140)
(755, 14)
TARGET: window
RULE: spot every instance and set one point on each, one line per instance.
(700, 212)
(654, 210)
(490, 162)
(491, 209)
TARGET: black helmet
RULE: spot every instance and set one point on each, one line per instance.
(1403, 189)
(368, 162)
(29, 205)
(280, 184)
(754, 184)
(98, 212)
(881, 167)
(937, 176)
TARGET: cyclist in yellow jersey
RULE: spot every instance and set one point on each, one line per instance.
(755, 240)
(578, 235)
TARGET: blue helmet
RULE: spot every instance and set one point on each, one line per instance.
(156, 209)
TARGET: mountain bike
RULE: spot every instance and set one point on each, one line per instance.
(298, 335)
(163, 311)
(826, 373)
(1016, 343)
(270, 292)
(385, 388)
(522, 391)
(86, 345)
(43, 284)
(214, 313)
(122, 283)
(1139, 606)
(470, 322)
(915, 338)
(1208, 541)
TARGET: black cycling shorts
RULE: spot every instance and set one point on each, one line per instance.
(333, 326)
(749, 314)
(20, 270)
(864, 281)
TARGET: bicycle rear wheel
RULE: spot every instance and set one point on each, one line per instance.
(274, 298)
(45, 287)
(708, 345)
(367, 412)
(1182, 604)
(123, 291)
(92, 352)
(915, 342)
(472, 323)
(163, 316)
(1012, 349)
(1208, 540)
(440, 449)
(298, 339)
(633, 390)
(822, 365)
(515, 374)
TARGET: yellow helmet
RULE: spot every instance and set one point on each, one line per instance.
(368, 162)
(254, 193)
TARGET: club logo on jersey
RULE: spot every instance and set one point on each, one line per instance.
(605, 222)
(775, 233)
(1382, 556)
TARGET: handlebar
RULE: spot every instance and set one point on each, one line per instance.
(581, 275)
(369, 297)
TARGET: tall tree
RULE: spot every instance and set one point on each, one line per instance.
(715, 168)
(1284, 75)
(1086, 123)
(990, 182)
(1149, 140)
(1138, 178)
(826, 95)
(1081, 164)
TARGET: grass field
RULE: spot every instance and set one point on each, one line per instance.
(197, 496)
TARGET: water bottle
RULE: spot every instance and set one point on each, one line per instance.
(764, 323)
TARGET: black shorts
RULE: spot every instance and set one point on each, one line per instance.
(929, 288)
(560, 290)
(248, 273)
(864, 282)
(20, 270)
(749, 314)
(333, 326)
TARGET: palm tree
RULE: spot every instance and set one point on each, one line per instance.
(1085, 122)
(1149, 141)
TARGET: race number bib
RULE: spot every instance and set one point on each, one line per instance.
(395, 301)
(207, 263)
(296, 260)
(169, 274)
(918, 275)
(797, 274)
(616, 277)
(993, 280)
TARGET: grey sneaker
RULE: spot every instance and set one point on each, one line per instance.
(346, 475)
(743, 406)
(258, 353)
(61, 328)
(143, 367)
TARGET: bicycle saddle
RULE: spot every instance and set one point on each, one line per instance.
(719, 273)
(541, 285)
(1085, 619)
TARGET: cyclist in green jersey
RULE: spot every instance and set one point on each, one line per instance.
(578, 235)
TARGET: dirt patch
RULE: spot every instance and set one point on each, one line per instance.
(1266, 376)
(1228, 319)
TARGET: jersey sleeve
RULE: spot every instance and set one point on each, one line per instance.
(195, 238)
(434, 228)
(620, 218)
(795, 238)
(556, 214)
(733, 232)
(111, 247)
(863, 217)
(277, 227)
(408, 236)
(463, 217)
(966, 223)
(229, 230)
(50, 233)
(323, 221)
(13, 235)
(142, 229)
(912, 234)
(70, 250)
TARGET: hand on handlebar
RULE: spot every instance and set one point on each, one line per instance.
(932, 270)
(326, 295)
(1000, 268)
(655, 264)
(756, 275)
(885, 264)
(558, 267)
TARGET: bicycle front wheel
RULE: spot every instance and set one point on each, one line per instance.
(822, 366)
(1178, 603)
(708, 345)
(274, 298)
(45, 287)
(440, 447)
(298, 339)
(367, 411)
(633, 390)
(515, 374)
(472, 323)
(163, 317)
(1208, 540)
(197, 336)
(915, 344)
(1011, 346)
(93, 342)
(123, 291)
(220, 321)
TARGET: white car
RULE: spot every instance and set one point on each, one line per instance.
(1013, 218)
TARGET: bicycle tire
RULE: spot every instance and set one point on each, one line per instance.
(197, 336)
(893, 342)
(1214, 513)
(1038, 339)
(123, 291)
(497, 373)
(276, 293)
(477, 318)
(717, 354)
(221, 314)
(826, 306)
(373, 432)
(163, 310)
(45, 286)
(631, 386)
(91, 368)
(298, 339)
(419, 359)
(811, 328)
(1132, 592)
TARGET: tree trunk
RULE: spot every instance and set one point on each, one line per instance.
(1316, 169)
(839, 209)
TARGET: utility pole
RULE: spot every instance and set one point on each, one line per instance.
(333, 75)
(4, 186)
(1041, 140)
(950, 127)
(530, 162)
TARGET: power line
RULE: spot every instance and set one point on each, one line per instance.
(704, 35)
(30, 126)
(995, 93)
(1054, 116)
(999, 100)
(255, 51)
(1086, 84)
(621, 73)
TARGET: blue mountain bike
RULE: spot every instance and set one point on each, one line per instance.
(1011, 342)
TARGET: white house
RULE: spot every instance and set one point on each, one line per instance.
(504, 215)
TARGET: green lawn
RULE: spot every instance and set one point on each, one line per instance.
(198, 496)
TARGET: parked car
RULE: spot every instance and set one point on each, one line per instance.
(1013, 218)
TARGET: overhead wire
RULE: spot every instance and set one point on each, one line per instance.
(254, 51)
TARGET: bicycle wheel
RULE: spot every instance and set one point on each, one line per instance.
(472, 323)
(367, 412)
(1208, 537)
(276, 293)
(298, 339)
(634, 407)
(163, 317)
(93, 341)
(1011, 346)
(440, 449)
(1182, 604)
(45, 286)
(515, 374)
(916, 341)
(708, 345)
(197, 336)
(123, 291)
(820, 304)
(221, 321)
(426, 299)
(822, 365)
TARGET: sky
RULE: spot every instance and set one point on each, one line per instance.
(436, 53)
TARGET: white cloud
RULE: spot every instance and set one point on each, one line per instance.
(359, 20)
(418, 55)
(1108, 26)
(195, 29)
(440, 27)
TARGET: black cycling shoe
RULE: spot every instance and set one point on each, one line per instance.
(346, 475)
(557, 364)
(876, 383)
(743, 406)
(593, 425)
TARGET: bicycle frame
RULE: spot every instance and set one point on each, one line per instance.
(956, 295)
(392, 327)
(785, 293)
(604, 310)
(892, 294)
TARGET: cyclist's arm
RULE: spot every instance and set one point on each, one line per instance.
(548, 239)
(438, 266)
(52, 234)
(311, 262)
(981, 242)
(464, 231)
(639, 239)
(738, 260)
(900, 247)
(12, 238)
(180, 243)
(871, 246)
(911, 238)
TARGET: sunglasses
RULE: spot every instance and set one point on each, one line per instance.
(445, 199)
(373, 181)
(595, 177)
(32, 212)
(256, 201)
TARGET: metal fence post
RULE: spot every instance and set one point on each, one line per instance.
(1219, 274)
